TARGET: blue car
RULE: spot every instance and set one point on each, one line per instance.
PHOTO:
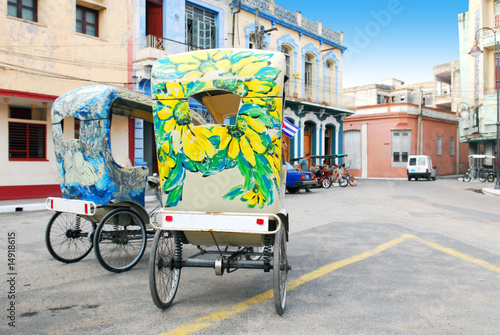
(296, 179)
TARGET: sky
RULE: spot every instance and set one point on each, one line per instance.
(400, 39)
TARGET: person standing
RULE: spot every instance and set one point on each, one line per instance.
(304, 166)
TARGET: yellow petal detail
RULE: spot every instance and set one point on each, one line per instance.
(169, 125)
(192, 147)
(249, 195)
(234, 148)
(193, 74)
(224, 140)
(183, 58)
(247, 151)
(187, 67)
(166, 146)
(255, 124)
(255, 141)
(223, 64)
(164, 113)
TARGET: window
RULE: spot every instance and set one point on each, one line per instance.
(452, 146)
(87, 21)
(23, 9)
(401, 146)
(27, 141)
(328, 82)
(439, 145)
(251, 41)
(200, 28)
(288, 69)
(308, 73)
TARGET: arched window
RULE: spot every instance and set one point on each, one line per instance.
(329, 96)
(308, 75)
(288, 71)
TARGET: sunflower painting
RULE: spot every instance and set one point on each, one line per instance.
(219, 166)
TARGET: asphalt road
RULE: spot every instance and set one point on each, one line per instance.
(384, 257)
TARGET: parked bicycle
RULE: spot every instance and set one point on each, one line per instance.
(350, 179)
(338, 177)
(482, 174)
(322, 179)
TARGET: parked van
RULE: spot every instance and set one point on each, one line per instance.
(420, 166)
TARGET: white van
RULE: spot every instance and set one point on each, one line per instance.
(420, 166)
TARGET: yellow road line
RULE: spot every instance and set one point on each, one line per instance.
(457, 254)
(208, 320)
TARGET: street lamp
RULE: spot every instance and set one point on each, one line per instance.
(475, 51)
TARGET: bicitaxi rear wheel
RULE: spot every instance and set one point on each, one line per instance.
(163, 275)
(280, 271)
(120, 240)
(326, 182)
(343, 181)
(68, 237)
(352, 181)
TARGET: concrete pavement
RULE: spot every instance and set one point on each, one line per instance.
(9, 206)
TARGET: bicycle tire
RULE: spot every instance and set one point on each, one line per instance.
(68, 237)
(343, 181)
(466, 177)
(326, 183)
(120, 240)
(491, 177)
(352, 181)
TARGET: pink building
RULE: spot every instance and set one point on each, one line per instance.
(379, 138)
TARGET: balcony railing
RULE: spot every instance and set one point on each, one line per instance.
(268, 7)
(161, 43)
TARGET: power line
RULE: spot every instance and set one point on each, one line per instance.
(37, 72)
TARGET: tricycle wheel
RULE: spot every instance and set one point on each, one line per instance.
(280, 271)
(467, 177)
(68, 237)
(163, 276)
(352, 181)
(326, 182)
(343, 181)
(120, 240)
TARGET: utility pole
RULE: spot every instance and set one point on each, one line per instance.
(260, 32)
(419, 125)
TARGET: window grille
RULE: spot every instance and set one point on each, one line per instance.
(27, 141)
(201, 31)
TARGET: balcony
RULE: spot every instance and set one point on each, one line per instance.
(151, 48)
(293, 18)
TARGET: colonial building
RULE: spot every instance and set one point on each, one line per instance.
(313, 65)
(48, 48)
(478, 109)
(394, 120)
(167, 27)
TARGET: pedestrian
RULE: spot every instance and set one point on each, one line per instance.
(304, 166)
